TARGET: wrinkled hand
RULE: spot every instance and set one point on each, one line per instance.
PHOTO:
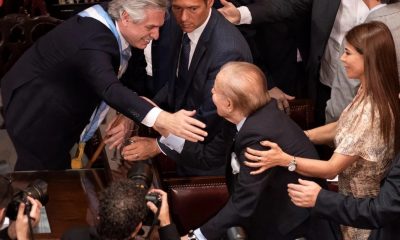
(282, 99)
(304, 194)
(230, 12)
(115, 135)
(21, 223)
(181, 124)
(266, 159)
(141, 148)
(164, 209)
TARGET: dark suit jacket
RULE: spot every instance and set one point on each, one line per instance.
(52, 90)
(260, 203)
(322, 20)
(381, 213)
(219, 43)
(282, 27)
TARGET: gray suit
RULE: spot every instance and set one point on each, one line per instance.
(344, 89)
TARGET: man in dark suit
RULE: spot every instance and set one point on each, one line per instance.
(52, 90)
(381, 213)
(259, 203)
(214, 41)
(282, 35)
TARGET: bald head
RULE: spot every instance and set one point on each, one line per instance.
(245, 85)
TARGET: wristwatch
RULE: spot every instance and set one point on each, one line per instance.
(292, 165)
(191, 235)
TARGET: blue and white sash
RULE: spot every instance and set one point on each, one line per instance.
(98, 13)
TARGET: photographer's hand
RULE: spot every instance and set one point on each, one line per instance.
(20, 228)
(164, 209)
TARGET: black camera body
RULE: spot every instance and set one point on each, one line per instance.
(154, 198)
(37, 190)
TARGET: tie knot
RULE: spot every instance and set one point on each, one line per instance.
(185, 39)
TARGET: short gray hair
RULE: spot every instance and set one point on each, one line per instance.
(245, 84)
(135, 8)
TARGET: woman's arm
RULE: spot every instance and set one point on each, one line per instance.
(307, 167)
(322, 135)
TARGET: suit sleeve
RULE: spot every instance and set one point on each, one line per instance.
(242, 202)
(97, 68)
(367, 212)
(277, 10)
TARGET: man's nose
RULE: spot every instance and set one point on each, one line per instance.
(155, 33)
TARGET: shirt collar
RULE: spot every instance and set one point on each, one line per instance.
(240, 124)
(195, 35)
(124, 43)
(377, 7)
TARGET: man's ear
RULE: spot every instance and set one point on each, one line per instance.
(210, 3)
(125, 18)
(137, 229)
(229, 105)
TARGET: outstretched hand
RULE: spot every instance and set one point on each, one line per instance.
(266, 159)
(230, 12)
(304, 194)
(181, 124)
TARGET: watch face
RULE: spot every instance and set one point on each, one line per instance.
(292, 167)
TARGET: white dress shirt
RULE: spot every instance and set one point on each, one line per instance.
(351, 13)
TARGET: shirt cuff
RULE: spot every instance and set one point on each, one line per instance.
(173, 142)
(245, 15)
(151, 117)
(199, 235)
(159, 147)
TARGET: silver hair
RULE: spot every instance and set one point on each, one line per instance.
(135, 8)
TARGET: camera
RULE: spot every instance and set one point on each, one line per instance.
(37, 190)
(154, 198)
(142, 175)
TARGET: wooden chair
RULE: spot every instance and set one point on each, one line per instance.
(17, 33)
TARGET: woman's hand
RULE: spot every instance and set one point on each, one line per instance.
(266, 159)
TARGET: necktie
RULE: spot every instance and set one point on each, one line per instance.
(183, 66)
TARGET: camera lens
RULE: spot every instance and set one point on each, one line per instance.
(141, 174)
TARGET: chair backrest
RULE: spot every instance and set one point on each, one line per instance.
(17, 33)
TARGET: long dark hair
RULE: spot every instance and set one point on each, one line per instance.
(375, 42)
